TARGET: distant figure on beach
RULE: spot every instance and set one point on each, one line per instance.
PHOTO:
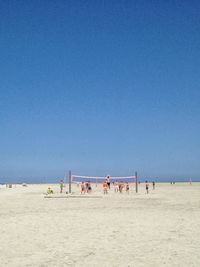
(86, 186)
(147, 187)
(116, 186)
(89, 188)
(105, 187)
(121, 186)
(61, 186)
(108, 181)
(49, 191)
(153, 183)
(82, 188)
(127, 187)
(190, 181)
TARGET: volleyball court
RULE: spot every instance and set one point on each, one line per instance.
(92, 182)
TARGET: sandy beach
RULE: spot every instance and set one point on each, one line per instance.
(161, 228)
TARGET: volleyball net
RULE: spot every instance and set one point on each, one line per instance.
(101, 179)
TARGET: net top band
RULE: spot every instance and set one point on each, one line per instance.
(103, 177)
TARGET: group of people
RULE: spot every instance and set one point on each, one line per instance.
(147, 186)
(61, 185)
(86, 187)
(118, 186)
(106, 185)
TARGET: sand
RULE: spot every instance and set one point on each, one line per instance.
(158, 229)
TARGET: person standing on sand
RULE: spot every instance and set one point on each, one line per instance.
(147, 187)
(105, 187)
(89, 187)
(108, 181)
(61, 186)
(127, 188)
(82, 188)
(121, 186)
(153, 183)
(116, 186)
(86, 186)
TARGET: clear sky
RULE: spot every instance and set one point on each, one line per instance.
(99, 87)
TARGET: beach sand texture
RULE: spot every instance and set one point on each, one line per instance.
(137, 230)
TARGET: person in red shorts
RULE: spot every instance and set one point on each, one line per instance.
(82, 188)
(105, 187)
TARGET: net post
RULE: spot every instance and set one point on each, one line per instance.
(136, 182)
(70, 182)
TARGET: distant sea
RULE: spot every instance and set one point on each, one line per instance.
(57, 180)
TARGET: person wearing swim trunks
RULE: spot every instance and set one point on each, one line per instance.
(89, 187)
(105, 188)
(147, 187)
(82, 188)
(127, 188)
(121, 186)
(108, 181)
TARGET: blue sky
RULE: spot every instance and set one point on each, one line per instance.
(99, 87)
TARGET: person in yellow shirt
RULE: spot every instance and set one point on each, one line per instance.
(49, 190)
